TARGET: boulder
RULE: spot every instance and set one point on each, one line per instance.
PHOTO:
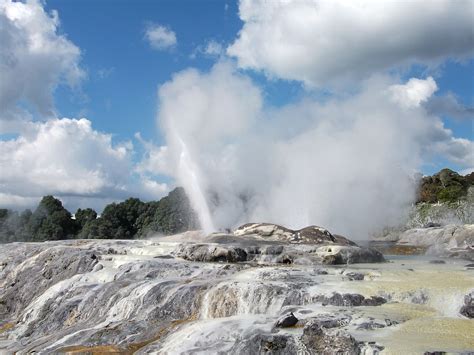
(288, 320)
(339, 255)
(318, 340)
(467, 309)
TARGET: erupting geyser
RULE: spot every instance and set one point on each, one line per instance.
(334, 162)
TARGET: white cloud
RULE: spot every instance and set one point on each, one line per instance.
(34, 59)
(68, 158)
(211, 49)
(414, 92)
(332, 163)
(327, 42)
(160, 37)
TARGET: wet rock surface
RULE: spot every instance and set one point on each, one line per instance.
(288, 320)
(467, 309)
(453, 241)
(351, 300)
(319, 340)
(236, 293)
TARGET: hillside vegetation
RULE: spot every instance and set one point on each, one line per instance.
(129, 219)
(444, 186)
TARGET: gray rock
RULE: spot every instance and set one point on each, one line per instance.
(354, 276)
(318, 340)
(265, 344)
(340, 255)
(209, 253)
(288, 320)
(447, 241)
(350, 300)
(467, 309)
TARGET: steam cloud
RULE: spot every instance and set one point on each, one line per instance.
(345, 163)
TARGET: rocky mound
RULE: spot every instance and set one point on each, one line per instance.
(271, 243)
(307, 235)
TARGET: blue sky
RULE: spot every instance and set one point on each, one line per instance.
(298, 58)
(119, 95)
(111, 37)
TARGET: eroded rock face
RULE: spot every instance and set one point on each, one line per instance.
(43, 269)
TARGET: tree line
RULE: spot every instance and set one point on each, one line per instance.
(129, 219)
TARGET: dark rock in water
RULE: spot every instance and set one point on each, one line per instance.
(285, 259)
(434, 353)
(390, 322)
(340, 255)
(329, 321)
(319, 340)
(333, 260)
(288, 320)
(265, 344)
(370, 325)
(437, 262)
(468, 309)
(469, 265)
(354, 276)
(432, 225)
(350, 300)
(374, 301)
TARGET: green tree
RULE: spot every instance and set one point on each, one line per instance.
(51, 221)
(84, 216)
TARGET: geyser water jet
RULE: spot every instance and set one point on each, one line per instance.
(189, 179)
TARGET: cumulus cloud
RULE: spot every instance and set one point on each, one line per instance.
(68, 158)
(160, 37)
(333, 163)
(414, 92)
(322, 42)
(34, 60)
